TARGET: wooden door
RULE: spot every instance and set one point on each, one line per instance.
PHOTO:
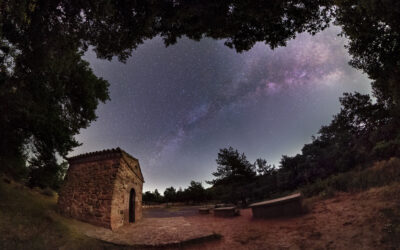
(132, 197)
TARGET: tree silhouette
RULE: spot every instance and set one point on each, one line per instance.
(233, 167)
(373, 30)
(170, 194)
(262, 167)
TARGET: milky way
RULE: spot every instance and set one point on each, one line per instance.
(174, 107)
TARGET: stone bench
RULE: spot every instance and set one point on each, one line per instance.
(223, 205)
(204, 210)
(226, 211)
(285, 206)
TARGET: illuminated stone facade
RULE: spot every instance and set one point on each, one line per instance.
(103, 188)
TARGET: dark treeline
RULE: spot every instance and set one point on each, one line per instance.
(233, 172)
(48, 91)
(195, 193)
(362, 132)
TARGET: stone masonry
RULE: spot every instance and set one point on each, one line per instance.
(98, 186)
(290, 205)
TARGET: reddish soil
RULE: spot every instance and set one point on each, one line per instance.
(162, 212)
(347, 221)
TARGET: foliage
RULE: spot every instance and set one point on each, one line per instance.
(380, 174)
(48, 92)
(391, 228)
(233, 167)
(391, 216)
(47, 174)
(170, 194)
(262, 167)
(147, 197)
(373, 30)
(278, 182)
(233, 172)
(361, 127)
(152, 197)
(365, 130)
(360, 133)
(194, 193)
(28, 220)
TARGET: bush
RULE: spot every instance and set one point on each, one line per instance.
(48, 192)
(380, 174)
(14, 168)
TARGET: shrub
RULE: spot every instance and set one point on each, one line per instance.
(380, 174)
(48, 192)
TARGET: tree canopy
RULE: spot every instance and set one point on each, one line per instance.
(194, 193)
(232, 168)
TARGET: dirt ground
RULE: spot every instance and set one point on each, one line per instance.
(169, 232)
(346, 221)
(161, 212)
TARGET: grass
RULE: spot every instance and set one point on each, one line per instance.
(28, 220)
(380, 174)
(391, 215)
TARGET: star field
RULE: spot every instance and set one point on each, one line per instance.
(174, 107)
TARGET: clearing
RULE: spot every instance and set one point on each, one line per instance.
(364, 220)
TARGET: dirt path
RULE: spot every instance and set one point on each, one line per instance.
(347, 221)
(149, 232)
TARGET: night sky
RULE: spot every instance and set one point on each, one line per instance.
(174, 108)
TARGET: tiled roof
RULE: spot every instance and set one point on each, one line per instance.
(107, 152)
(104, 155)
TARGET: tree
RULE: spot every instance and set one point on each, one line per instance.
(262, 167)
(234, 171)
(170, 194)
(157, 196)
(233, 167)
(148, 197)
(195, 192)
(152, 197)
(47, 173)
(48, 92)
(363, 131)
(373, 30)
(180, 195)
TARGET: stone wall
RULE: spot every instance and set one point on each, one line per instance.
(87, 191)
(290, 205)
(97, 188)
(126, 179)
(292, 208)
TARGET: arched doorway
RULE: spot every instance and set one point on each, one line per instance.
(132, 196)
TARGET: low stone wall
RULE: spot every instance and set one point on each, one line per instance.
(226, 212)
(286, 206)
(204, 210)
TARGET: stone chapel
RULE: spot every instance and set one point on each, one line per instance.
(103, 188)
